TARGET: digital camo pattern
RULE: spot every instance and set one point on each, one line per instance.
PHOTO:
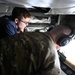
(29, 53)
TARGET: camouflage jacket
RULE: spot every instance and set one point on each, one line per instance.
(30, 53)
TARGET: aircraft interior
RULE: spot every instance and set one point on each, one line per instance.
(46, 14)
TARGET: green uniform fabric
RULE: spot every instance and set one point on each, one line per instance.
(29, 53)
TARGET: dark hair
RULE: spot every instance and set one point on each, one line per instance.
(19, 12)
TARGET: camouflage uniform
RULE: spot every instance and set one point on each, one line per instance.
(27, 54)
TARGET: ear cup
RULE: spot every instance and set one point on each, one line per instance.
(63, 40)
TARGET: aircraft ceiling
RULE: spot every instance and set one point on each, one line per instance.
(57, 6)
(45, 3)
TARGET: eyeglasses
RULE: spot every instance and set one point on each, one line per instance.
(24, 22)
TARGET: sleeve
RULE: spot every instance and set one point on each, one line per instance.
(10, 30)
(51, 64)
(55, 70)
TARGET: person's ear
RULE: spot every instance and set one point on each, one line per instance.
(16, 20)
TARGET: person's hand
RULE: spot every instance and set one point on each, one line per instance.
(21, 30)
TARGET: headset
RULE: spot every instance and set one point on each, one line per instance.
(65, 39)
